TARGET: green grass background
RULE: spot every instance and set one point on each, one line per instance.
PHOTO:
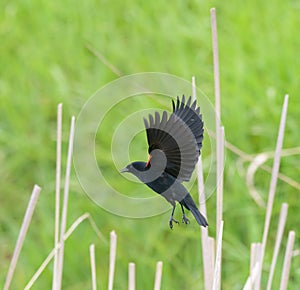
(44, 60)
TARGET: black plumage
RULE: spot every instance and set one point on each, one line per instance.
(174, 148)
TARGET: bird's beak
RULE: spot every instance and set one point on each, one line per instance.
(124, 170)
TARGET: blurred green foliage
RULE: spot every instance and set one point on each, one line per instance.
(44, 60)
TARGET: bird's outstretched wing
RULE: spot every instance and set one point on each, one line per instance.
(179, 137)
(191, 116)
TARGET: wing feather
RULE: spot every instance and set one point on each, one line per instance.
(179, 136)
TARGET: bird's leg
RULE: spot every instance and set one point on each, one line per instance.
(185, 220)
(172, 218)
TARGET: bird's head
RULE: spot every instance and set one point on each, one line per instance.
(149, 171)
(135, 167)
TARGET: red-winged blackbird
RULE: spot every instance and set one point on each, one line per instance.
(174, 149)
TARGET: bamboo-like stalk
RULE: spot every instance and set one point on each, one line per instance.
(211, 245)
(112, 259)
(22, 234)
(57, 192)
(216, 66)
(254, 261)
(93, 266)
(207, 251)
(281, 225)
(219, 219)
(194, 91)
(287, 261)
(158, 275)
(273, 181)
(220, 167)
(201, 194)
(50, 256)
(131, 276)
(252, 278)
(65, 205)
(219, 138)
(219, 132)
(217, 273)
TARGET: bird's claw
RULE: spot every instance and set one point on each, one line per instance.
(185, 220)
(171, 222)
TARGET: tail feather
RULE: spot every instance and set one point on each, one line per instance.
(190, 205)
(199, 217)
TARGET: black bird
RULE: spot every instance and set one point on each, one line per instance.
(174, 149)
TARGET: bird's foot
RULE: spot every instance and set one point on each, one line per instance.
(185, 220)
(171, 222)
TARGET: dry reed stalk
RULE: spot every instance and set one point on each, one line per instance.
(207, 250)
(194, 91)
(219, 133)
(216, 66)
(252, 278)
(158, 275)
(287, 261)
(217, 273)
(201, 194)
(57, 191)
(220, 167)
(102, 58)
(112, 259)
(65, 206)
(212, 247)
(273, 181)
(247, 157)
(254, 260)
(219, 218)
(257, 162)
(281, 225)
(207, 255)
(131, 276)
(22, 234)
(93, 266)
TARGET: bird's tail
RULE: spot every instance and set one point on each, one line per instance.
(190, 205)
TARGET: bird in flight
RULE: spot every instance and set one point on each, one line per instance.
(175, 144)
